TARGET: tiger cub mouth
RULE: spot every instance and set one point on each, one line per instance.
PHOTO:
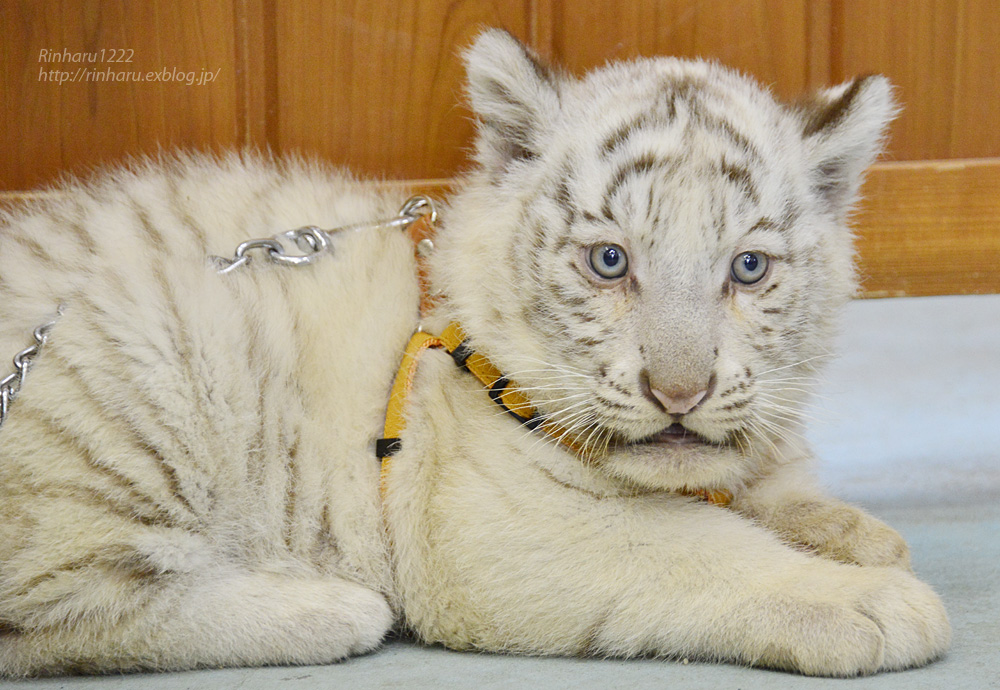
(675, 435)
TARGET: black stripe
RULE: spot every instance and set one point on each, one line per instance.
(828, 115)
(739, 404)
(607, 402)
(637, 166)
(622, 134)
(386, 447)
(741, 177)
(150, 231)
(35, 248)
(461, 354)
(182, 211)
(718, 125)
(78, 224)
(496, 392)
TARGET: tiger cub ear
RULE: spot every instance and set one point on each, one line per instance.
(844, 129)
(514, 95)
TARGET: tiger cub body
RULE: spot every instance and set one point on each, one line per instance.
(655, 254)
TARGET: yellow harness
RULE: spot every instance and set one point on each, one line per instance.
(500, 389)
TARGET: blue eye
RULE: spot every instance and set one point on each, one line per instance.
(608, 261)
(749, 267)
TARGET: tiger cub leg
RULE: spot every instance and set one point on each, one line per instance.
(788, 504)
(224, 617)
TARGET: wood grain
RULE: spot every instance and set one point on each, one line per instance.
(944, 58)
(255, 69)
(764, 38)
(47, 127)
(930, 228)
(375, 86)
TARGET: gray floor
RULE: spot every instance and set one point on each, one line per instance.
(909, 427)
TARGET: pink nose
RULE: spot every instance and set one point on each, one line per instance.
(680, 402)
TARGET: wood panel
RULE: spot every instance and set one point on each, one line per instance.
(376, 86)
(85, 82)
(944, 58)
(769, 39)
(930, 229)
(254, 64)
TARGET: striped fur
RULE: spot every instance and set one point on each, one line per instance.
(187, 479)
(173, 490)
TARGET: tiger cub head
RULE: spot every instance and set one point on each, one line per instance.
(656, 252)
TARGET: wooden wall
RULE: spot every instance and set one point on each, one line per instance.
(377, 84)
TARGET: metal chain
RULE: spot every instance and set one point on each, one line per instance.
(11, 384)
(310, 242)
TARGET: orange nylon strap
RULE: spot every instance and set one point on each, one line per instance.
(500, 387)
(395, 422)
(718, 497)
(503, 391)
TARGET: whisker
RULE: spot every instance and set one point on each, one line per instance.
(756, 426)
(502, 411)
(781, 433)
(794, 364)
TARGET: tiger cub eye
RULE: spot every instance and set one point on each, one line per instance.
(749, 267)
(608, 261)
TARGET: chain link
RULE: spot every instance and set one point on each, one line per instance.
(309, 243)
(297, 247)
(11, 384)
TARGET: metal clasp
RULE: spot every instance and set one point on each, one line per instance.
(312, 242)
(11, 384)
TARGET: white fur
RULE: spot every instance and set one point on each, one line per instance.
(188, 478)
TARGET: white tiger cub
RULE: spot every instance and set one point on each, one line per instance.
(654, 253)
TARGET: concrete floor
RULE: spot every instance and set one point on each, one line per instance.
(910, 429)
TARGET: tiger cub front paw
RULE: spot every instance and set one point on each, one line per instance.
(867, 620)
(840, 532)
